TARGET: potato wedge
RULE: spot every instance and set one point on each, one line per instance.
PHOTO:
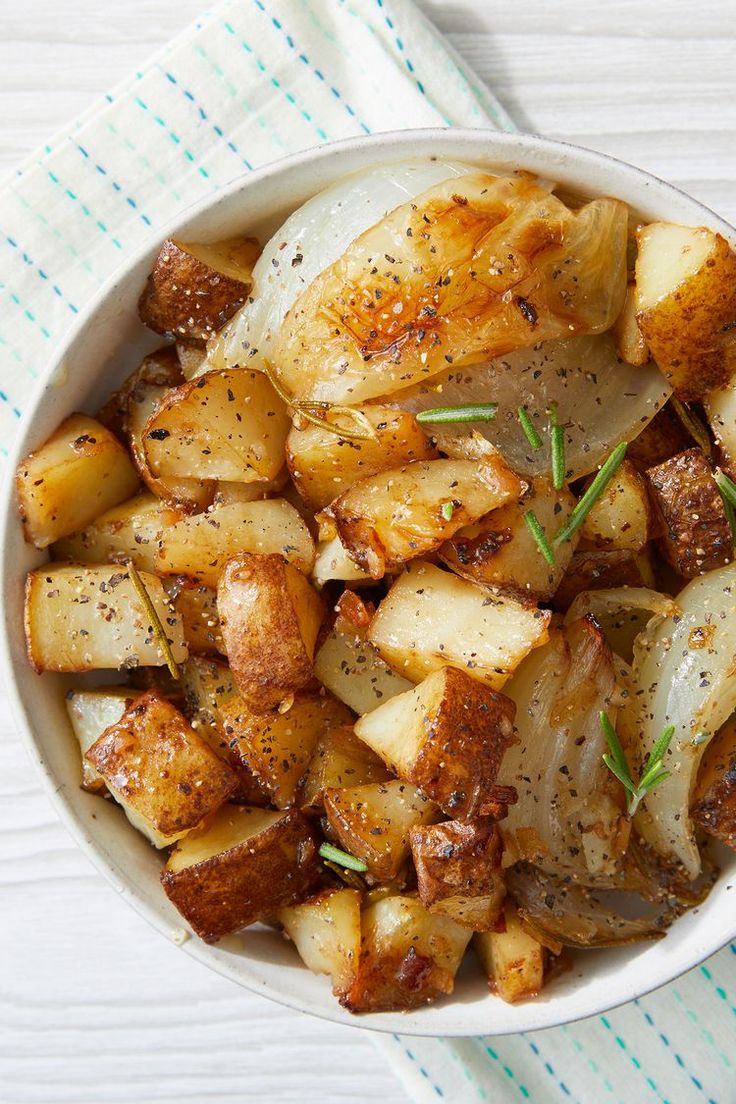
(339, 760)
(326, 932)
(244, 867)
(324, 465)
(409, 957)
(601, 569)
(220, 426)
(621, 517)
(430, 619)
(90, 713)
(78, 474)
(447, 735)
(697, 534)
(631, 345)
(499, 551)
(131, 531)
(720, 408)
(686, 305)
(459, 873)
(401, 514)
(513, 959)
(193, 289)
(350, 667)
(714, 799)
(196, 604)
(277, 747)
(269, 617)
(164, 775)
(80, 618)
(200, 546)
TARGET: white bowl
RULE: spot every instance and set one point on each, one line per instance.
(105, 345)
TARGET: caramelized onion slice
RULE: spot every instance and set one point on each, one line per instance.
(622, 613)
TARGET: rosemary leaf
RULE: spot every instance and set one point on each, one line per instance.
(158, 630)
(475, 412)
(317, 413)
(341, 858)
(603, 477)
(535, 528)
(529, 428)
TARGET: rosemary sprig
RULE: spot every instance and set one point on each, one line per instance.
(603, 477)
(158, 630)
(529, 428)
(557, 443)
(693, 425)
(474, 412)
(341, 858)
(654, 771)
(534, 526)
(727, 491)
(316, 413)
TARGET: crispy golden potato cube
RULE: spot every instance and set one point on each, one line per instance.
(630, 343)
(499, 551)
(340, 759)
(409, 957)
(430, 619)
(326, 932)
(245, 866)
(400, 514)
(714, 800)
(200, 546)
(373, 821)
(621, 517)
(81, 471)
(269, 617)
(686, 305)
(79, 618)
(661, 438)
(164, 775)
(720, 408)
(193, 289)
(223, 426)
(513, 959)
(458, 867)
(349, 666)
(447, 735)
(333, 562)
(131, 531)
(90, 713)
(196, 604)
(602, 569)
(277, 747)
(697, 536)
(323, 465)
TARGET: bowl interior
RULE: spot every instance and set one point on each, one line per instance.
(105, 346)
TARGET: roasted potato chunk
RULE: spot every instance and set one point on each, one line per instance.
(409, 957)
(459, 873)
(326, 932)
(244, 867)
(513, 959)
(714, 800)
(333, 562)
(193, 289)
(78, 474)
(660, 439)
(339, 760)
(601, 569)
(323, 465)
(373, 822)
(697, 534)
(269, 617)
(686, 305)
(164, 775)
(200, 546)
(447, 735)
(129, 532)
(220, 426)
(90, 713)
(349, 666)
(500, 552)
(720, 408)
(430, 619)
(196, 604)
(620, 518)
(631, 345)
(400, 514)
(81, 618)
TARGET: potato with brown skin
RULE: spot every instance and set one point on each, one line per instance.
(130, 532)
(621, 516)
(194, 289)
(514, 961)
(459, 873)
(244, 867)
(448, 736)
(409, 957)
(499, 551)
(686, 305)
(339, 759)
(324, 465)
(660, 439)
(196, 604)
(81, 471)
(697, 534)
(631, 345)
(714, 800)
(601, 569)
(401, 514)
(269, 618)
(164, 775)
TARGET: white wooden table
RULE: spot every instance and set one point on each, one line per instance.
(94, 1006)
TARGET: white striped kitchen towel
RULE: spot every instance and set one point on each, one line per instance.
(250, 81)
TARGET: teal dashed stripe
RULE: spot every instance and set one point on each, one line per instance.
(202, 114)
(705, 1033)
(721, 992)
(695, 1081)
(144, 161)
(39, 216)
(116, 187)
(633, 1059)
(590, 1062)
(174, 137)
(235, 93)
(437, 1090)
(549, 1069)
(28, 260)
(73, 196)
(521, 1088)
